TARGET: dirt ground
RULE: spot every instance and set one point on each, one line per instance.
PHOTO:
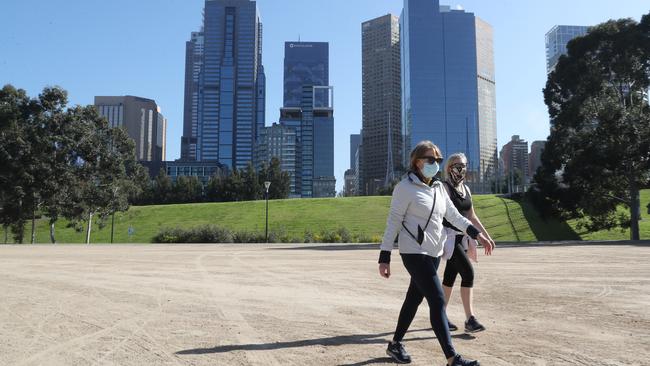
(311, 305)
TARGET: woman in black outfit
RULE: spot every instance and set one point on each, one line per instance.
(459, 245)
(418, 206)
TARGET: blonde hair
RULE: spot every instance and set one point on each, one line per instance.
(452, 158)
(419, 150)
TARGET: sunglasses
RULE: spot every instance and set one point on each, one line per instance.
(431, 159)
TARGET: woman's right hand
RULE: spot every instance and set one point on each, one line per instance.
(384, 270)
(486, 243)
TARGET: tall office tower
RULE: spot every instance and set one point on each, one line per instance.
(230, 86)
(142, 120)
(355, 141)
(309, 110)
(348, 187)
(381, 99)
(448, 85)
(514, 156)
(557, 39)
(278, 141)
(193, 68)
(535, 157)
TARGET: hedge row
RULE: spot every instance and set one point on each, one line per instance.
(216, 234)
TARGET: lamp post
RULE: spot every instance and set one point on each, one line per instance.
(113, 215)
(267, 184)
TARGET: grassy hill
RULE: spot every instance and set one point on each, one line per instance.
(505, 219)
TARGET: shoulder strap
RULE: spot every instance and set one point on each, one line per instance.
(433, 207)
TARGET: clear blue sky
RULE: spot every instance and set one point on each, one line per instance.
(137, 47)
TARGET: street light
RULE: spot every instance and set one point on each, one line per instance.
(113, 215)
(267, 184)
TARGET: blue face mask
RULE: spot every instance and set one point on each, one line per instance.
(430, 170)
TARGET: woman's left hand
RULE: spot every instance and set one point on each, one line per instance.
(486, 243)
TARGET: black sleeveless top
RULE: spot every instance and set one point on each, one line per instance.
(462, 204)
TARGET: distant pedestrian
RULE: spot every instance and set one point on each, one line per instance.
(418, 206)
(459, 247)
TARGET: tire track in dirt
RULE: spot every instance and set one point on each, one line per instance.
(246, 333)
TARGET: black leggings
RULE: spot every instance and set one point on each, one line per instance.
(425, 284)
(459, 263)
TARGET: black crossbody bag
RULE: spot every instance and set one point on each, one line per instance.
(421, 231)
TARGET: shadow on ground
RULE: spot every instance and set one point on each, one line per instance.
(378, 338)
(548, 228)
(333, 247)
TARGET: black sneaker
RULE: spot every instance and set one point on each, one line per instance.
(452, 326)
(460, 361)
(397, 352)
(472, 325)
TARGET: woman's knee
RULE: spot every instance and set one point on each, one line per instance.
(449, 280)
(467, 277)
(436, 301)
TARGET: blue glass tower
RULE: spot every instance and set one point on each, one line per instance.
(308, 108)
(557, 39)
(231, 83)
(448, 84)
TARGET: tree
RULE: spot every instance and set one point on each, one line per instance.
(252, 189)
(280, 181)
(144, 189)
(214, 188)
(162, 188)
(188, 189)
(56, 149)
(104, 168)
(598, 153)
(18, 183)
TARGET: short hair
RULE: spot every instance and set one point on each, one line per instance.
(419, 150)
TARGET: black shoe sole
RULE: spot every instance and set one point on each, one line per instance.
(474, 331)
(395, 358)
(477, 363)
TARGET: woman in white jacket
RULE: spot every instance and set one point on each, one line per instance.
(418, 207)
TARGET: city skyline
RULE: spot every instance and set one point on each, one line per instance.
(57, 25)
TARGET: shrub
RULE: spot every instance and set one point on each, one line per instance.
(345, 235)
(215, 234)
(309, 237)
(364, 238)
(330, 236)
(201, 234)
(175, 235)
(211, 234)
(248, 237)
(280, 236)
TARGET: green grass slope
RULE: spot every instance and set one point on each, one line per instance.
(505, 219)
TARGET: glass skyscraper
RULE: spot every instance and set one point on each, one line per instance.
(448, 85)
(380, 161)
(557, 39)
(193, 67)
(308, 108)
(230, 86)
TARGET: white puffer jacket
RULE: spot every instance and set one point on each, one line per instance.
(411, 204)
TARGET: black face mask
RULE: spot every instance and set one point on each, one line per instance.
(457, 174)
